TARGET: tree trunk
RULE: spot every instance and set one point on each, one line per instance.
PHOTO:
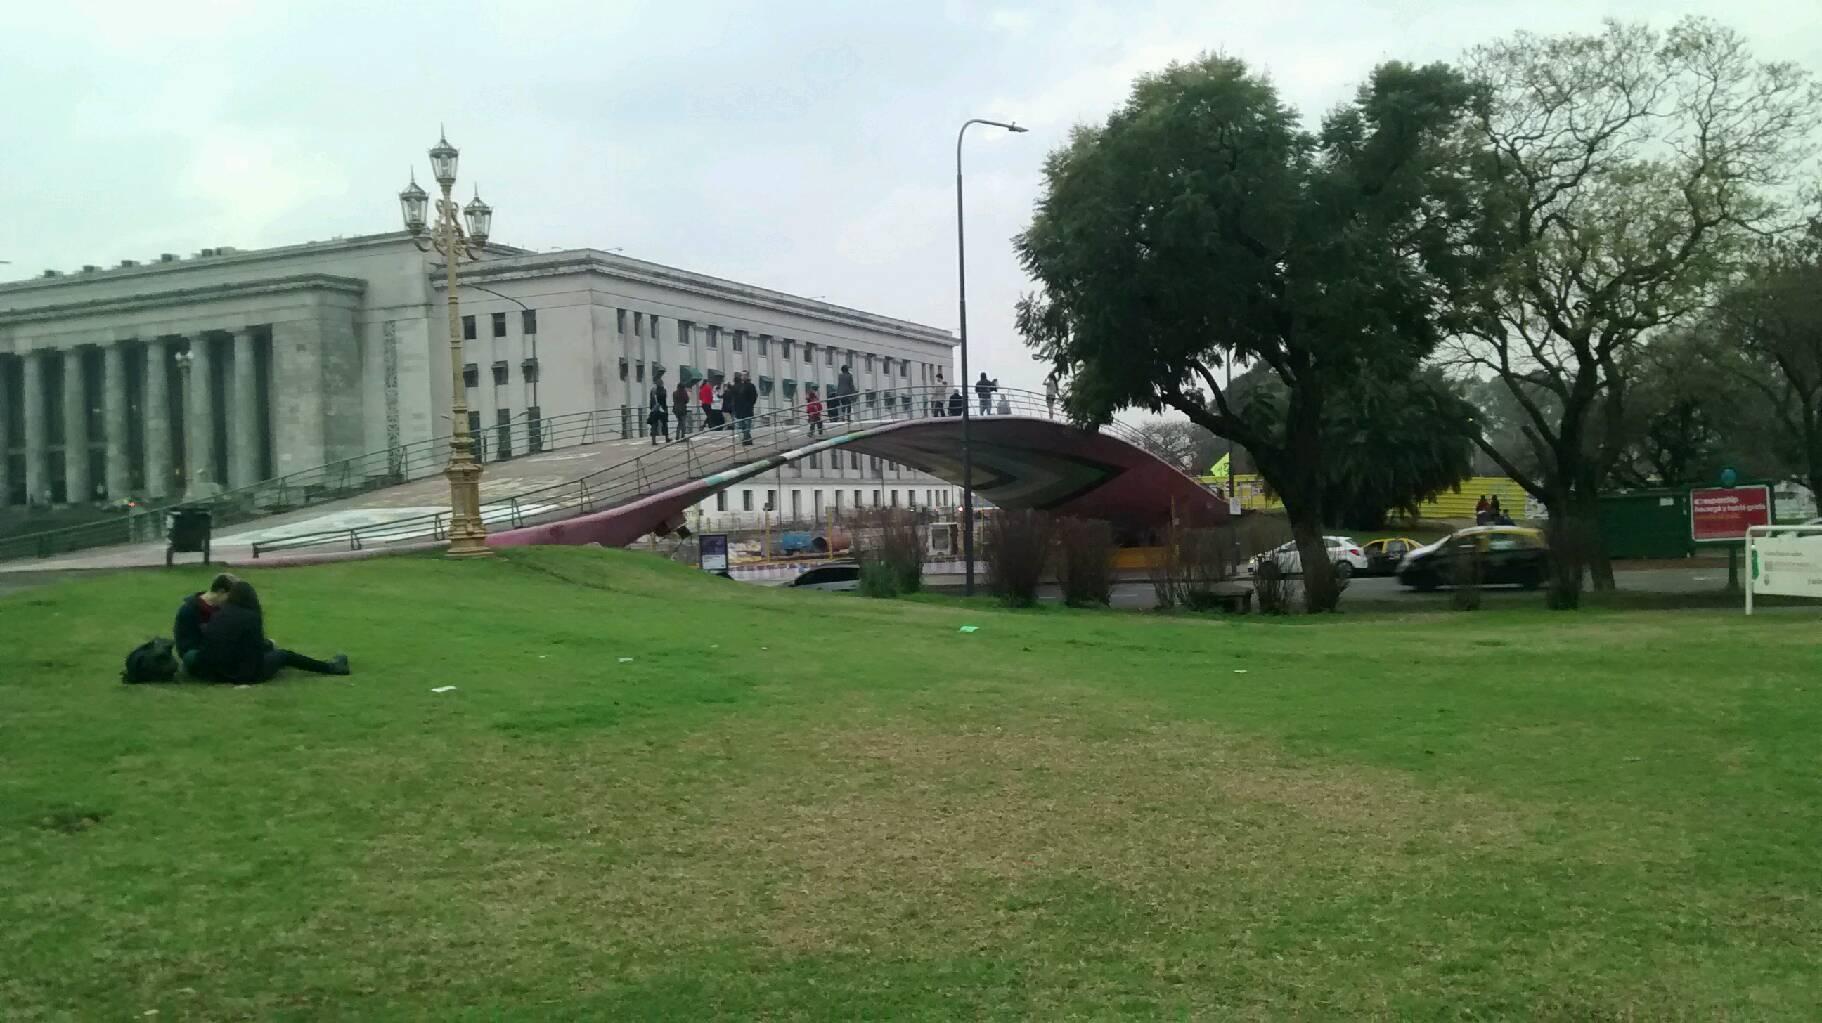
(1574, 536)
(1600, 566)
(1320, 592)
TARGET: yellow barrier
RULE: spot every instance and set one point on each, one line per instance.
(1250, 489)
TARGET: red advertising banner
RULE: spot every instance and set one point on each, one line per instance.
(1724, 513)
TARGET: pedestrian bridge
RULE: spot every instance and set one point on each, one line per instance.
(1030, 458)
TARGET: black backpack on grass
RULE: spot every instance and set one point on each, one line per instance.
(151, 661)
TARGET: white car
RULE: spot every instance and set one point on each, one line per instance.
(836, 576)
(1346, 555)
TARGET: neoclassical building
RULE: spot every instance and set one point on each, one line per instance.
(184, 375)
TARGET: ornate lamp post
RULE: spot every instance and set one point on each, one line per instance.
(467, 534)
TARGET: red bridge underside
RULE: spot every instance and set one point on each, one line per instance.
(1018, 463)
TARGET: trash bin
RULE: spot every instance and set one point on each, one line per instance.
(191, 530)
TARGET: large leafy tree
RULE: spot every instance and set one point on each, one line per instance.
(1388, 444)
(1762, 345)
(1202, 223)
(1630, 170)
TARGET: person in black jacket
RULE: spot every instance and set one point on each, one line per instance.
(747, 401)
(194, 613)
(958, 405)
(235, 649)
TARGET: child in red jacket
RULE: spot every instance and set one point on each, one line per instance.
(813, 408)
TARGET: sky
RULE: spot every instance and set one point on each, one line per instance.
(802, 146)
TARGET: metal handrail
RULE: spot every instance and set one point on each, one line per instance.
(702, 454)
(334, 481)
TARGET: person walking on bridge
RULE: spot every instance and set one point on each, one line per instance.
(659, 419)
(957, 404)
(844, 394)
(729, 405)
(812, 409)
(746, 402)
(680, 408)
(705, 396)
(1050, 395)
(983, 389)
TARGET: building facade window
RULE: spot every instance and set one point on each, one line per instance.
(638, 324)
(854, 457)
(471, 375)
(684, 327)
(499, 372)
(809, 353)
(784, 350)
(468, 328)
(828, 356)
(876, 499)
(712, 338)
(528, 321)
(721, 501)
(746, 500)
(499, 324)
(740, 338)
(764, 340)
(904, 370)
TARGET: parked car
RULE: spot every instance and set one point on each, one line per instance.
(1343, 551)
(836, 576)
(1383, 555)
(1510, 555)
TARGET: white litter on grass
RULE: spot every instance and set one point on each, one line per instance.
(1239, 671)
(626, 660)
(443, 689)
(969, 628)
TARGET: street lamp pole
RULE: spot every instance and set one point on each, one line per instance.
(467, 534)
(961, 273)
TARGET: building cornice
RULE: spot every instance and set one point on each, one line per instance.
(607, 264)
(165, 298)
(234, 258)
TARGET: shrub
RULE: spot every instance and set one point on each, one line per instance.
(1192, 565)
(1085, 552)
(1017, 548)
(1275, 594)
(891, 553)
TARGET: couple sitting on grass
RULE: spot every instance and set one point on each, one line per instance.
(220, 636)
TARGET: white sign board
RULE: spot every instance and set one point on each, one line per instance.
(1788, 565)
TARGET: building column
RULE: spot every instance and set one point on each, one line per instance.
(243, 413)
(199, 425)
(77, 487)
(158, 420)
(114, 409)
(37, 431)
(6, 433)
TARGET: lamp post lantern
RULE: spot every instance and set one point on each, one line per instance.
(447, 238)
(961, 272)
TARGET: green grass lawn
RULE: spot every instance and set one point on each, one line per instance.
(797, 805)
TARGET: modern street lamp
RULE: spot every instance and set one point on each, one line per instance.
(467, 534)
(961, 271)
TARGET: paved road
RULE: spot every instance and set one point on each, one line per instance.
(1703, 579)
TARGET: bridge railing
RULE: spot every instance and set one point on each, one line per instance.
(334, 481)
(703, 454)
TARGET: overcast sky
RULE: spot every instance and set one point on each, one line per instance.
(801, 146)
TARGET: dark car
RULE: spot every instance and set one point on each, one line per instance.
(1509, 555)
